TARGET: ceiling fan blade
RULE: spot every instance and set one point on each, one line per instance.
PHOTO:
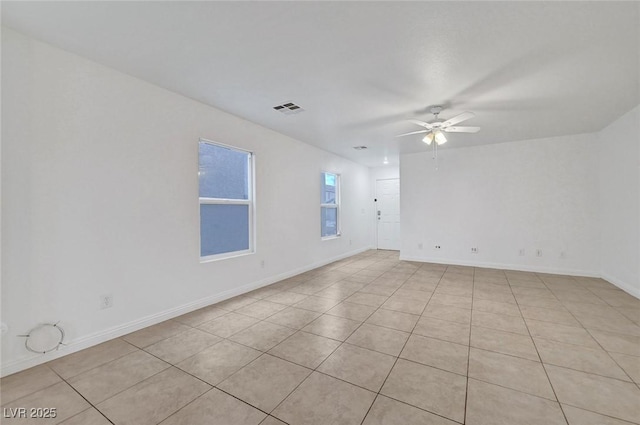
(422, 124)
(458, 118)
(413, 132)
(454, 129)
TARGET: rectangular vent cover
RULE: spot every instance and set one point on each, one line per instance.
(288, 108)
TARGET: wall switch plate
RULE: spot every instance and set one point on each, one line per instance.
(420, 245)
(521, 252)
(538, 253)
(474, 250)
(437, 247)
(563, 255)
(262, 263)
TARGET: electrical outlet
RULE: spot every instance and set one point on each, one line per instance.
(106, 301)
(420, 245)
(437, 247)
(474, 250)
(538, 253)
(521, 252)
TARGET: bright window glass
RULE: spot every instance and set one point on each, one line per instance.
(224, 229)
(330, 205)
(223, 172)
(226, 201)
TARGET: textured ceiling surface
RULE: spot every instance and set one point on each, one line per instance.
(360, 69)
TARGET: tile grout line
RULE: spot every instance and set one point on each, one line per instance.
(149, 377)
(396, 357)
(597, 342)
(466, 393)
(510, 355)
(538, 353)
(400, 353)
(215, 386)
(138, 349)
(523, 392)
(289, 327)
(606, 351)
(342, 343)
(363, 322)
(637, 384)
(266, 352)
(193, 376)
(183, 371)
(84, 398)
(207, 383)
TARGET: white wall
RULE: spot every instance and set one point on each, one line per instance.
(100, 196)
(619, 166)
(500, 198)
(386, 172)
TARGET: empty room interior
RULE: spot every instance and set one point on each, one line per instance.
(320, 213)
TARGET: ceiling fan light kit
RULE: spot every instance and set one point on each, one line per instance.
(428, 138)
(440, 139)
(436, 128)
(438, 136)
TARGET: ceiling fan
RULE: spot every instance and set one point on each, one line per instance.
(436, 128)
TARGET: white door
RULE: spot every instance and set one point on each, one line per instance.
(388, 213)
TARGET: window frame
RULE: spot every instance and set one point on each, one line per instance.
(336, 206)
(250, 201)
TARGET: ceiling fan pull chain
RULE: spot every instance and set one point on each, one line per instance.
(435, 154)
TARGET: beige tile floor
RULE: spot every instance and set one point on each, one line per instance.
(366, 340)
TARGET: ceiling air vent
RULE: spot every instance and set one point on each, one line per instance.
(360, 148)
(288, 108)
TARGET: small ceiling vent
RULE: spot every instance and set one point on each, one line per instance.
(360, 148)
(288, 108)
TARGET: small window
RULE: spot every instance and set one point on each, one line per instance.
(226, 201)
(330, 205)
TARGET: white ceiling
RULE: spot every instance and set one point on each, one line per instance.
(527, 69)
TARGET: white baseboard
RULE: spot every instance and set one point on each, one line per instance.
(626, 287)
(517, 267)
(116, 331)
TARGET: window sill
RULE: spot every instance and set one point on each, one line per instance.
(328, 238)
(218, 257)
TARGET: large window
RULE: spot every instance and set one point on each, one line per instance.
(226, 201)
(330, 205)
